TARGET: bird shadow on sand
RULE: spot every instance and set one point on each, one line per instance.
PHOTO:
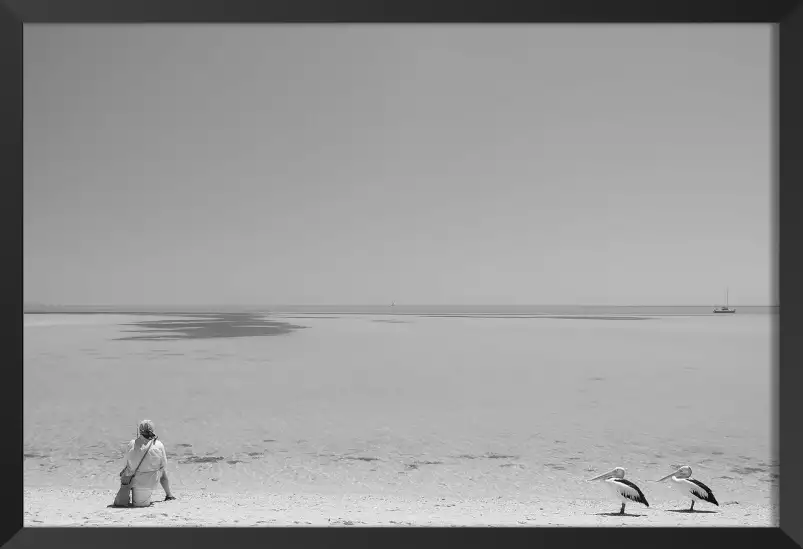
(617, 514)
(691, 511)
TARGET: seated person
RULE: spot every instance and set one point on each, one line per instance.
(153, 469)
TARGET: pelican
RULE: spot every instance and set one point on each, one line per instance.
(623, 490)
(690, 487)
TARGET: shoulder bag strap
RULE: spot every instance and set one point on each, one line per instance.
(143, 456)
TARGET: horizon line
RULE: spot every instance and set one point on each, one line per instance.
(259, 305)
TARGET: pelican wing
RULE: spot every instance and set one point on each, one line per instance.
(631, 491)
(703, 492)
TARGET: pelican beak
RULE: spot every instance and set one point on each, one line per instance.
(602, 476)
(667, 476)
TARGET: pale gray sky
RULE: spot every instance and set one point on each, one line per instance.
(359, 164)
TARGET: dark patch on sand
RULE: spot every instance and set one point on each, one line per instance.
(310, 317)
(517, 465)
(393, 321)
(209, 326)
(489, 455)
(268, 440)
(747, 470)
(555, 466)
(597, 378)
(359, 458)
(184, 445)
(726, 477)
(202, 459)
(234, 461)
(34, 455)
(255, 454)
(416, 464)
(717, 453)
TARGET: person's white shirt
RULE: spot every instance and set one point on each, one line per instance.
(155, 462)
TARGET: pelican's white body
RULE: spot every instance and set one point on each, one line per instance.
(686, 487)
(693, 489)
(620, 491)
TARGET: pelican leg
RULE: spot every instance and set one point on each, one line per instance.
(692, 506)
(622, 510)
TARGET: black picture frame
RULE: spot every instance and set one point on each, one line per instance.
(787, 14)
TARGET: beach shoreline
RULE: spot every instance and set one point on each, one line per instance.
(90, 507)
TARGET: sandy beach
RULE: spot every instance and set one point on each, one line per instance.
(317, 420)
(71, 507)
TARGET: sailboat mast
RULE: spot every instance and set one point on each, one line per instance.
(726, 297)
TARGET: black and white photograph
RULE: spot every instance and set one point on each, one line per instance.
(399, 275)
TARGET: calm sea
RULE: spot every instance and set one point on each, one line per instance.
(517, 402)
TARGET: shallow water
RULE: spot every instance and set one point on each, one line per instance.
(468, 406)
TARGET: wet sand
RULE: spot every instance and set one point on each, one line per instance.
(72, 507)
(207, 326)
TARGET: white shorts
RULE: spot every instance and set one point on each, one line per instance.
(141, 497)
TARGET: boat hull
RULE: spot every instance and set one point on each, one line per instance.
(724, 311)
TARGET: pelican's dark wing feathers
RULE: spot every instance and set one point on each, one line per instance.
(634, 493)
(704, 492)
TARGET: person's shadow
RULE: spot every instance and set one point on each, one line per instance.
(691, 511)
(129, 506)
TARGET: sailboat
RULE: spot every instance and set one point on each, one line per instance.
(725, 308)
